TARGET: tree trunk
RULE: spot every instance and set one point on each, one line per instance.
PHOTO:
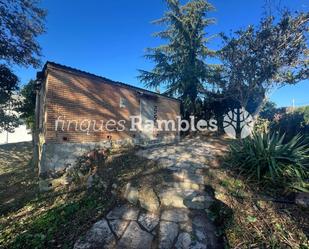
(256, 113)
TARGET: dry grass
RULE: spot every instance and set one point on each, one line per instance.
(55, 220)
(253, 221)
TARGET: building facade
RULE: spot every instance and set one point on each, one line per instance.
(77, 111)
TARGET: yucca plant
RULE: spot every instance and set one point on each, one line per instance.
(265, 156)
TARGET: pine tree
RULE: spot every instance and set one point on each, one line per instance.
(180, 64)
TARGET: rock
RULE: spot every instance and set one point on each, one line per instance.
(183, 241)
(148, 220)
(45, 185)
(189, 185)
(184, 165)
(148, 199)
(187, 176)
(135, 238)
(118, 226)
(172, 157)
(131, 194)
(205, 230)
(165, 163)
(183, 185)
(200, 171)
(99, 236)
(167, 234)
(172, 201)
(198, 245)
(180, 175)
(186, 226)
(198, 201)
(90, 181)
(175, 215)
(200, 198)
(302, 200)
(200, 235)
(174, 197)
(173, 168)
(199, 221)
(124, 212)
(197, 179)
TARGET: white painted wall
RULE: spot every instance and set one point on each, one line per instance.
(21, 134)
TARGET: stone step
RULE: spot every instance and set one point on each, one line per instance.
(185, 198)
(198, 201)
(188, 176)
(186, 185)
(125, 212)
(168, 232)
(175, 215)
(148, 220)
(98, 236)
(175, 197)
(135, 237)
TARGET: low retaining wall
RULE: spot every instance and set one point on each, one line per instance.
(57, 157)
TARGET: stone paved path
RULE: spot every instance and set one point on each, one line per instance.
(174, 217)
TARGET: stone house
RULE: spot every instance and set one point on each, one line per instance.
(68, 100)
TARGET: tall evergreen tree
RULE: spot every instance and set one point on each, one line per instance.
(180, 64)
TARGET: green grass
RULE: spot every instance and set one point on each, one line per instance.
(59, 226)
(18, 179)
(30, 219)
(58, 219)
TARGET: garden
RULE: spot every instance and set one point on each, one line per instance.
(248, 188)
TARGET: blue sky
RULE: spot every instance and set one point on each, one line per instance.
(109, 38)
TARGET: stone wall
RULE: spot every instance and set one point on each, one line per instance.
(57, 157)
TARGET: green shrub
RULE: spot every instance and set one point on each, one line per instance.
(266, 157)
(305, 111)
(261, 125)
(287, 121)
(268, 111)
(290, 123)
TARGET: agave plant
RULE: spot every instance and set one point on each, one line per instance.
(265, 156)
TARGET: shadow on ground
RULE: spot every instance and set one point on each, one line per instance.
(18, 179)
